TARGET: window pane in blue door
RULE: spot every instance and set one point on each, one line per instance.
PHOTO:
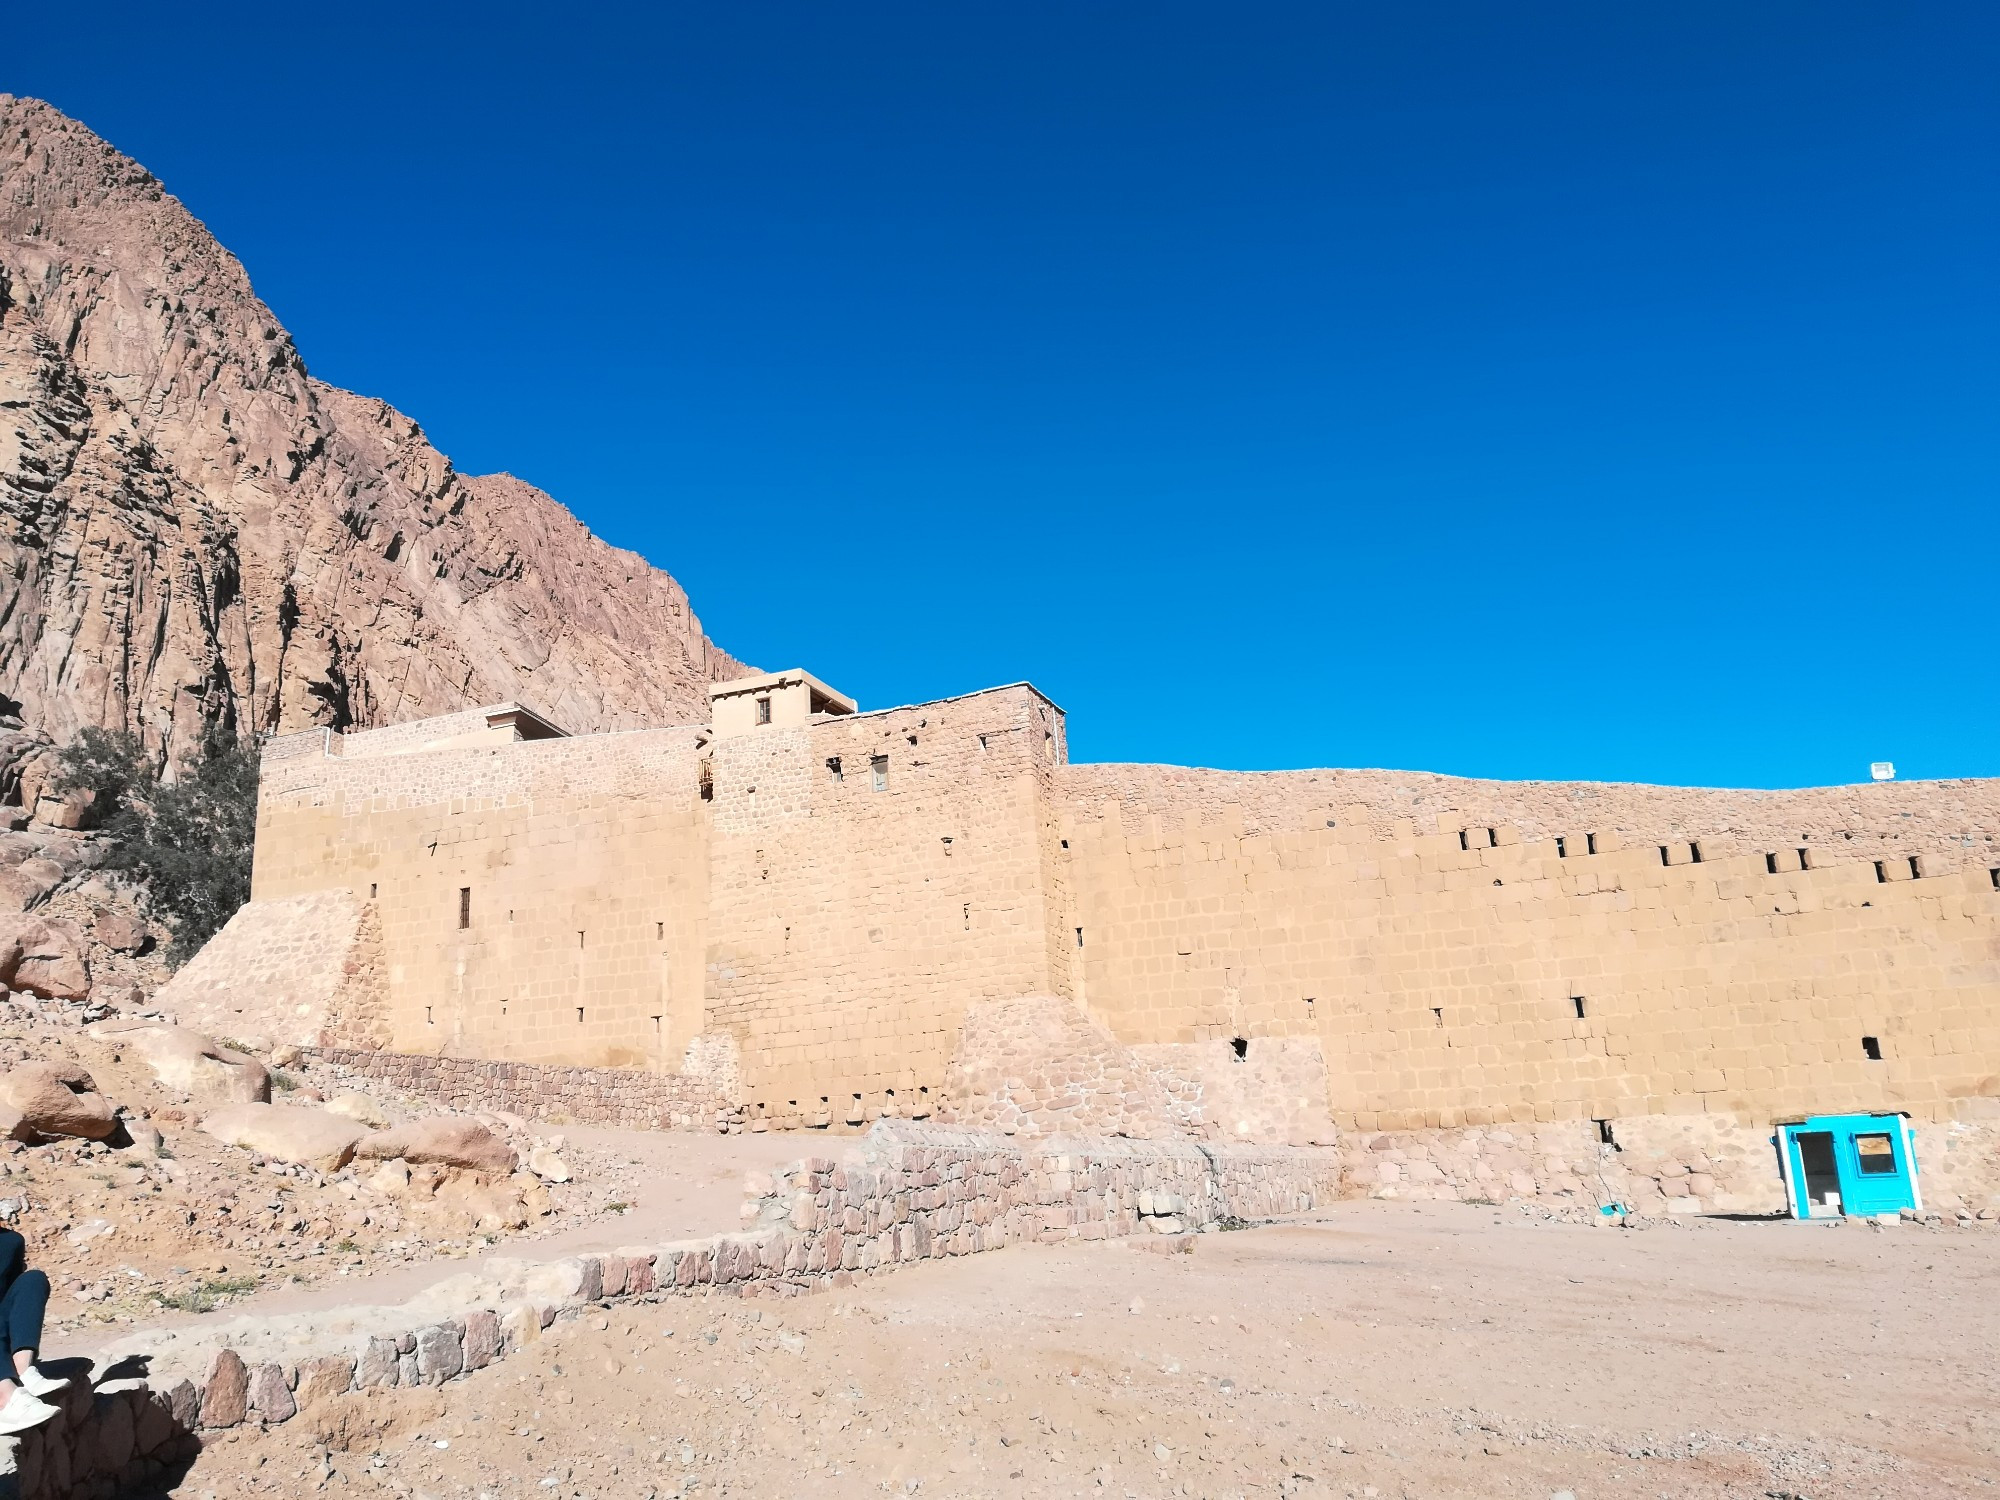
(1878, 1155)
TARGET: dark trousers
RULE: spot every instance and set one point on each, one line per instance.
(24, 1302)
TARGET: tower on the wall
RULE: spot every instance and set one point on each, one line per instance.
(782, 700)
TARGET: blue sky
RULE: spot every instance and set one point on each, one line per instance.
(1536, 390)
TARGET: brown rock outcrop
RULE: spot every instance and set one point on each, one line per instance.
(43, 958)
(194, 530)
(286, 1133)
(444, 1141)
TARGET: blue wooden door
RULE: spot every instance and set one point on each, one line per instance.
(1874, 1166)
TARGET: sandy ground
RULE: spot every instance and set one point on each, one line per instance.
(1376, 1350)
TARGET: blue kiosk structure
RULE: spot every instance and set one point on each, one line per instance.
(1856, 1165)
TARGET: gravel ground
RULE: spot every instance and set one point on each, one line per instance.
(1375, 1350)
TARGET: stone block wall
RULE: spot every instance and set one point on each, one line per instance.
(698, 1098)
(291, 970)
(1037, 1065)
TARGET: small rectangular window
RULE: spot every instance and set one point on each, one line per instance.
(1881, 874)
(1562, 847)
(763, 710)
(1877, 1153)
(1577, 1001)
(371, 890)
(1694, 852)
(465, 906)
(1079, 937)
(879, 766)
(1437, 1014)
(1604, 1133)
(1590, 843)
(579, 1015)
(1463, 841)
(1665, 858)
(1871, 1048)
(1770, 864)
(1493, 838)
(833, 771)
(1916, 868)
(1805, 859)
(1994, 876)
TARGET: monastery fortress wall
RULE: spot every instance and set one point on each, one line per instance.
(825, 917)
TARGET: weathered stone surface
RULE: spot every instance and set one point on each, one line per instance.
(191, 1063)
(482, 1338)
(24, 885)
(158, 402)
(440, 1353)
(327, 1375)
(442, 1140)
(121, 931)
(225, 1395)
(55, 1099)
(286, 1132)
(270, 1395)
(378, 1364)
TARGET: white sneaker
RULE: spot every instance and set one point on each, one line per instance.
(35, 1383)
(23, 1411)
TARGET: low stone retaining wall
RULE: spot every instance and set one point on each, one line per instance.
(564, 1095)
(910, 1192)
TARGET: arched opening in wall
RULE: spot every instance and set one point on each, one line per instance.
(1871, 1048)
(1241, 1046)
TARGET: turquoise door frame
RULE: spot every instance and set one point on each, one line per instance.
(1873, 1157)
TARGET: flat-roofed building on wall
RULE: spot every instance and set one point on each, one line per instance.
(824, 896)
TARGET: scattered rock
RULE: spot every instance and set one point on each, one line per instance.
(311, 1137)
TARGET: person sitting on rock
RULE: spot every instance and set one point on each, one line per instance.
(24, 1301)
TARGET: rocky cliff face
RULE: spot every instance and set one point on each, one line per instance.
(194, 530)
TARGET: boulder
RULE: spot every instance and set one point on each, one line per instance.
(362, 1108)
(309, 1137)
(446, 1141)
(26, 884)
(44, 958)
(120, 930)
(53, 1099)
(189, 1063)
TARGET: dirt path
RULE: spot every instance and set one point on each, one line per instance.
(1383, 1350)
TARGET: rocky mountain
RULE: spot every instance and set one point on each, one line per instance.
(194, 530)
